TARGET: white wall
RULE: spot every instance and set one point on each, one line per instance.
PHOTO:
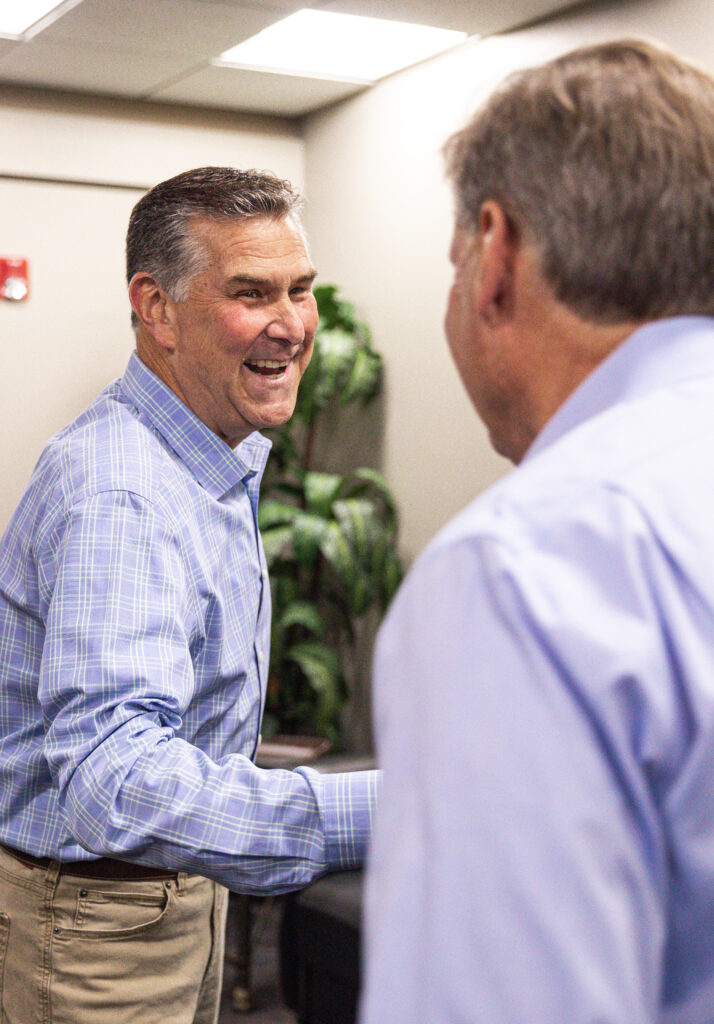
(379, 221)
(72, 336)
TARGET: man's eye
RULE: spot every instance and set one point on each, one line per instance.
(249, 293)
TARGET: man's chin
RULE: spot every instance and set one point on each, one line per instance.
(269, 419)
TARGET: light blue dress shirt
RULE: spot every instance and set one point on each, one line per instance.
(544, 845)
(134, 637)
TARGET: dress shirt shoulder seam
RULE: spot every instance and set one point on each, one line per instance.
(96, 492)
(62, 508)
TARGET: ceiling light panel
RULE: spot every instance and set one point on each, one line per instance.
(341, 47)
(17, 16)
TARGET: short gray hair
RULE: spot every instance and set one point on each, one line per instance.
(159, 242)
(604, 159)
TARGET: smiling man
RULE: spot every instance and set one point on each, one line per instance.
(236, 344)
(135, 620)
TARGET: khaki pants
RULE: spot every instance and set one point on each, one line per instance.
(88, 951)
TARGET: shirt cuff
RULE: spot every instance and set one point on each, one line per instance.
(346, 802)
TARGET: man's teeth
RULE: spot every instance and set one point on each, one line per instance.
(269, 364)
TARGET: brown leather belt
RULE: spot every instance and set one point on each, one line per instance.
(104, 867)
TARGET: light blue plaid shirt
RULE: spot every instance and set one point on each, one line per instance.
(134, 638)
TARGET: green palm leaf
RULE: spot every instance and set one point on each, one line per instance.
(356, 519)
(365, 377)
(305, 614)
(338, 553)
(307, 533)
(274, 542)
(392, 577)
(321, 489)
(275, 513)
(370, 481)
(321, 667)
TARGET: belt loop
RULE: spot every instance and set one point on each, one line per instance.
(54, 869)
(180, 882)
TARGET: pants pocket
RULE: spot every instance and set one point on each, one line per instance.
(101, 914)
(140, 951)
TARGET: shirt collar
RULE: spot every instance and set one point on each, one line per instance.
(216, 466)
(663, 353)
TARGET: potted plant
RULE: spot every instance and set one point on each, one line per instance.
(329, 537)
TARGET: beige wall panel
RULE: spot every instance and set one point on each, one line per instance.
(72, 335)
(73, 136)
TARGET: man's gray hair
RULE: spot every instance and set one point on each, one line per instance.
(159, 241)
(604, 160)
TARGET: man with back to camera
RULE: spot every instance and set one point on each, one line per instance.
(134, 635)
(545, 678)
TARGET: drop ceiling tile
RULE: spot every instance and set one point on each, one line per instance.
(476, 17)
(257, 91)
(74, 65)
(278, 5)
(200, 28)
(456, 14)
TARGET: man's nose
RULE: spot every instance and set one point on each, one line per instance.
(286, 322)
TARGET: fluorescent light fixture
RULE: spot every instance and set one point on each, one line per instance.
(17, 16)
(341, 47)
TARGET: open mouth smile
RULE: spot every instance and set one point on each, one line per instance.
(268, 367)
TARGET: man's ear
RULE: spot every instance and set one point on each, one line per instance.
(498, 248)
(154, 309)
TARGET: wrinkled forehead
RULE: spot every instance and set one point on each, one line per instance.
(220, 233)
(254, 246)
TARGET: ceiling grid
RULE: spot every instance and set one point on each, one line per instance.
(162, 51)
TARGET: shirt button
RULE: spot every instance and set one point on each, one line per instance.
(260, 655)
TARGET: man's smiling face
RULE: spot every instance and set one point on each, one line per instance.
(243, 335)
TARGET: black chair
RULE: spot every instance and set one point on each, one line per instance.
(320, 950)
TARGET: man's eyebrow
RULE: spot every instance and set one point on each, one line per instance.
(266, 282)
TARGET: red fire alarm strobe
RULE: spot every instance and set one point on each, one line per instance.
(14, 281)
